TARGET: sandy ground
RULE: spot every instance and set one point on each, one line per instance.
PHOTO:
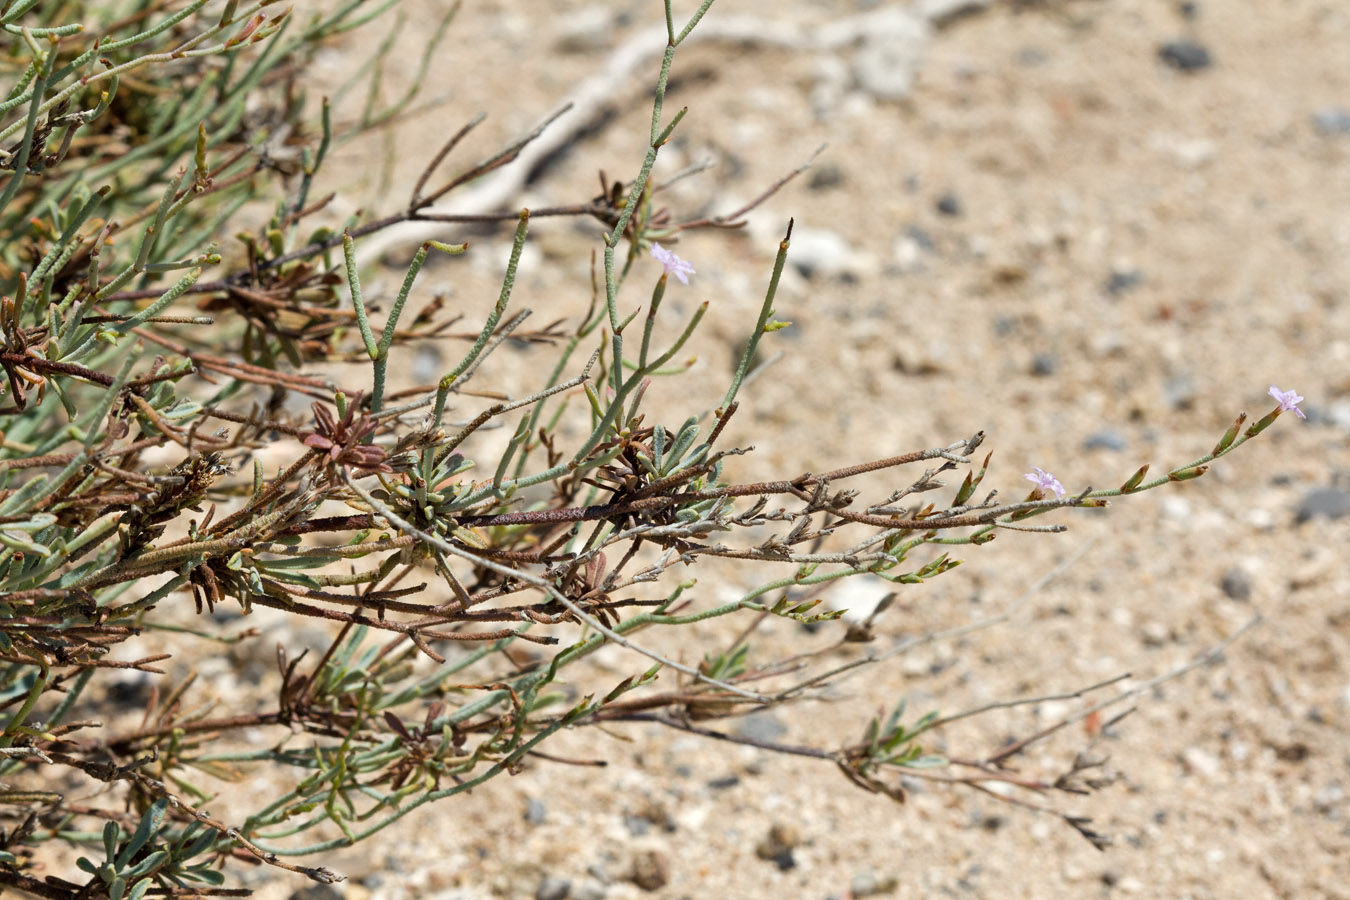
(1097, 257)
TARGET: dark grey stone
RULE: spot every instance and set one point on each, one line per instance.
(317, 892)
(825, 177)
(131, 691)
(1332, 503)
(1236, 585)
(949, 205)
(1044, 364)
(1123, 280)
(1185, 56)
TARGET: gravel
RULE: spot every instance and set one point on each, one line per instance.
(1185, 55)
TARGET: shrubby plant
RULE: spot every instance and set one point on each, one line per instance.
(138, 390)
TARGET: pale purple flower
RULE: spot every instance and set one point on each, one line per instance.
(1288, 400)
(672, 263)
(1045, 481)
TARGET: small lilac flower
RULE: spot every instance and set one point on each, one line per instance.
(672, 263)
(1045, 481)
(1288, 400)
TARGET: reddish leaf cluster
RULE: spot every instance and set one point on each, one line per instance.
(342, 439)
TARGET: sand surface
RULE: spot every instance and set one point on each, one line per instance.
(1055, 236)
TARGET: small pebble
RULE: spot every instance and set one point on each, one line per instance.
(944, 11)
(1044, 364)
(651, 870)
(535, 811)
(819, 252)
(776, 847)
(890, 53)
(1331, 503)
(825, 177)
(831, 82)
(654, 812)
(1330, 800)
(907, 253)
(553, 889)
(1332, 122)
(1195, 152)
(761, 726)
(949, 205)
(1201, 763)
(1295, 752)
(636, 825)
(1185, 56)
(922, 238)
(911, 246)
(317, 892)
(1106, 439)
(1123, 280)
(868, 884)
(1155, 634)
(1260, 518)
(1236, 585)
(131, 691)
(721, 784)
